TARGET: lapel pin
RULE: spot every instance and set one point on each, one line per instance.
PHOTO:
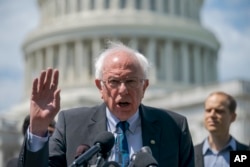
(152, 141)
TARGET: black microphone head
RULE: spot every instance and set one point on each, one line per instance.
(144, 159)
(106, 141)
(111, 164)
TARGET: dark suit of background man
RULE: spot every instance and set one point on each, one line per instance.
(214, 151)
(122, 79)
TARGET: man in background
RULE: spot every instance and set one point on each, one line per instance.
(26, 122)
(214, 151)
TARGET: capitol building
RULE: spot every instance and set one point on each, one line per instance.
(182, 52)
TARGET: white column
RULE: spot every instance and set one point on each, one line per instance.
(171, 7)
(185, 63)
(86, 4)
(59, 7)
(159, 6)
(39, 60)
(96, 47)
(169, 61)
(197, 65)
(46, 10)
(49, 54)
(72, 6)
(145, 5)
(62, 7)
(114, 5)
(79, 62)
(82, 3)
(52, 8)
(56, 8)
(131, 4)
(99, 5)
(150, 52)
(134, 44)
(62, 60)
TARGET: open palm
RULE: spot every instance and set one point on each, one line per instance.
(45, 101)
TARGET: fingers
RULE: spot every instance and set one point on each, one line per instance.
(54, 83)
(57, 99)
(41, 81)
(34, 86)
(48, 80)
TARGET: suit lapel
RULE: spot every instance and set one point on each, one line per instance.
(199, 161)
(150, 131)
(97, 123)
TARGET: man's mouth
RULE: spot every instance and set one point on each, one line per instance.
(123, 104)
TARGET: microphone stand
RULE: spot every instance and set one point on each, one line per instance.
(99, 161)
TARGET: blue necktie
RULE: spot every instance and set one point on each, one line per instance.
(122, 144)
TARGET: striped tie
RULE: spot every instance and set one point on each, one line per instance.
(122, 144)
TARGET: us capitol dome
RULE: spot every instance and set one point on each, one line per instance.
(183, 56)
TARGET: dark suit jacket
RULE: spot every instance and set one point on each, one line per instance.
(199, 161)
(173, 145)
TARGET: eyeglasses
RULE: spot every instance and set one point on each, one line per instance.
(129, 82)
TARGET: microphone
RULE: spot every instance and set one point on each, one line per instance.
(143, 158)
(146, 149)
(103, 144)
(81, 149)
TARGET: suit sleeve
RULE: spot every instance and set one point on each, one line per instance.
(57, 144)
(52, 154)
(31, 159)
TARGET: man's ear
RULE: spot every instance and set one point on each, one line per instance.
(234, 115)
(146, 83)
(98, 84)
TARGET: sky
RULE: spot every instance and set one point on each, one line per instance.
(229, 20)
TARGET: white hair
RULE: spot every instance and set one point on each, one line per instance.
(118, 46)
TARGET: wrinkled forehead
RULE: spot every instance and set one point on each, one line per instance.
(121, 60)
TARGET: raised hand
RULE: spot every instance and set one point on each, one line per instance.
(45, 101)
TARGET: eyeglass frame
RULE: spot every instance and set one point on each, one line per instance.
(125, 81)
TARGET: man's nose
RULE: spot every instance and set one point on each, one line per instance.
(123, 88)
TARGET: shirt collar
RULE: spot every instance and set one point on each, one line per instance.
(113, 120)
(231, 145)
